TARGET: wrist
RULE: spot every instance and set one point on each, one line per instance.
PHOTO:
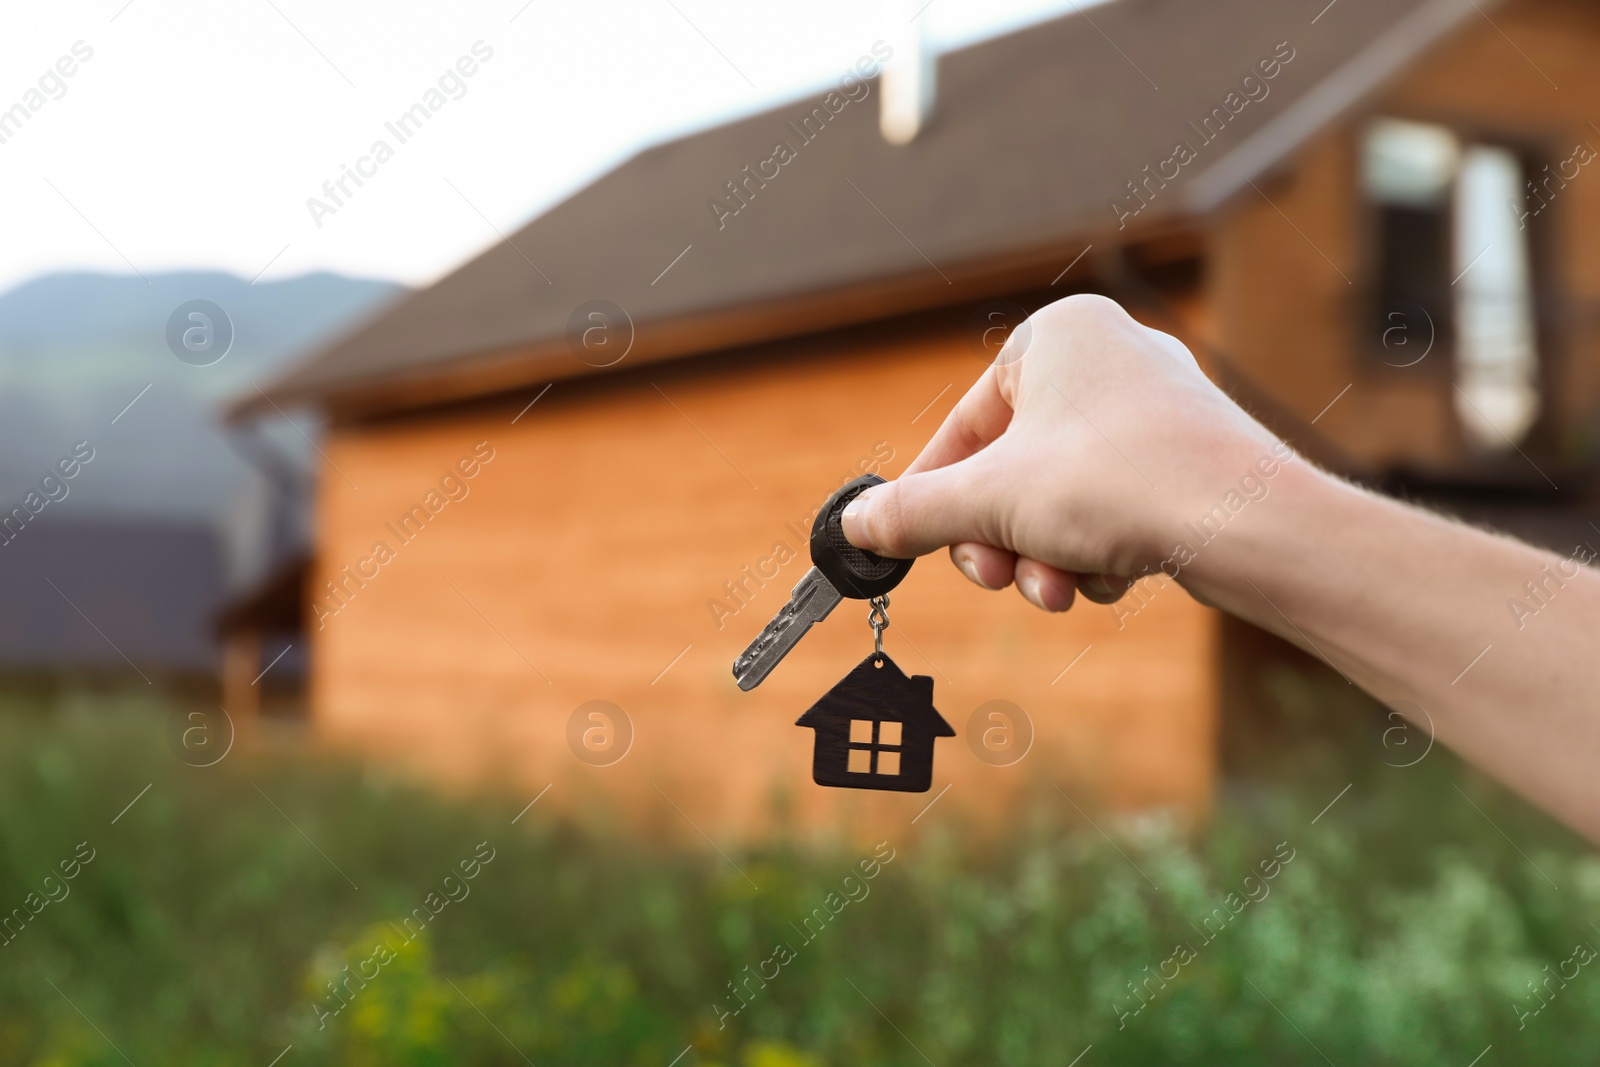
(1256, 525)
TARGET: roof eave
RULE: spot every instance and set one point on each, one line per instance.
(1362, 75)
(1042, 266)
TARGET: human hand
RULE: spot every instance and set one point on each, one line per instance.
(1095, 451)
(1072, 463)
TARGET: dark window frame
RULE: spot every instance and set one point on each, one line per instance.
(1544, 236)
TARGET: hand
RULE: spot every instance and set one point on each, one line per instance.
(1095, 451)
(1073, 462)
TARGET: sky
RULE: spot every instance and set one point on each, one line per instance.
(191, 134)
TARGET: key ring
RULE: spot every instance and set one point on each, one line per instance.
(878, 619)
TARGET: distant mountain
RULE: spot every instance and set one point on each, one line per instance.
(76, 348)
(77, 311)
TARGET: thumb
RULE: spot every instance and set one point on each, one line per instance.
(920, 512)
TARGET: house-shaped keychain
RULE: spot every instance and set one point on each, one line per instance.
(875, 729)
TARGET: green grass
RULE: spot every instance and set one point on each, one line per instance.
(206, 927)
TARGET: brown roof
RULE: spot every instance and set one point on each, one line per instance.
(1033, 136)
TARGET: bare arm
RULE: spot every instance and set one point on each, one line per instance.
(1102, 453)
(1414, 607)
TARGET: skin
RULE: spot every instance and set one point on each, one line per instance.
(1095, 445)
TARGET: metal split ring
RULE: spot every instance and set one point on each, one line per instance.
(878, 619)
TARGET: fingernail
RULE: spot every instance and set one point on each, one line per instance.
(1033, 590)
(854, 522)
(969, 567)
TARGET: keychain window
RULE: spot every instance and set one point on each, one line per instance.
(874, 747)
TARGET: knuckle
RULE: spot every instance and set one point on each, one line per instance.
(1083, 309)
(1176, 349)
(888, 519)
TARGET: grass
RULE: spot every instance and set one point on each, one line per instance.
(1400, 927)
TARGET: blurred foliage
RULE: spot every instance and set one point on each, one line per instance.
(208, 929)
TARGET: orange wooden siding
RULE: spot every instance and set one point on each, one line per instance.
(594, 543)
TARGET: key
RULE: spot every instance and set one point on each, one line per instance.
(812, 600)
(839, 570)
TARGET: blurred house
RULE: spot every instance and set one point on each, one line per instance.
(91, 599)
(166, 516)
(1367, 218)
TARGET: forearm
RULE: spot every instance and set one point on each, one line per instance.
(1416, 608)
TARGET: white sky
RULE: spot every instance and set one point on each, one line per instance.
(195, 134)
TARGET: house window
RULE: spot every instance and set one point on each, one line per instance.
(874, 747)
(1452, 268)
(1497, 365)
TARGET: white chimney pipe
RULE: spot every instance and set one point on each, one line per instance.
(907, 84)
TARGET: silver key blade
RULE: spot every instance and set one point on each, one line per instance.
(812, 598)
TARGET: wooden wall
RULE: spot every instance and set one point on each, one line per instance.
(1289, 306)
(588, 553)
